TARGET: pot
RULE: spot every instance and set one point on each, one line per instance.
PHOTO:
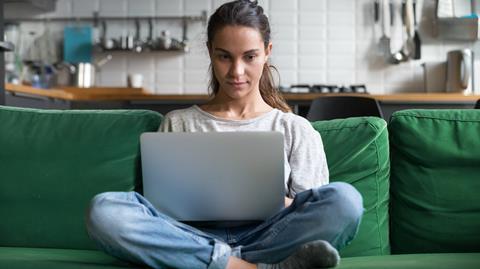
(84, 73)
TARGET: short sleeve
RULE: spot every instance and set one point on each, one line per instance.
(307, 159)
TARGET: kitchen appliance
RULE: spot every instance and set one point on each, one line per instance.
(324, 88)
(460, 73)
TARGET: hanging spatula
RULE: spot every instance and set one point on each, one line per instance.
(385, 18)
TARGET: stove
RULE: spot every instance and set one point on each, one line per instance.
(324, 88)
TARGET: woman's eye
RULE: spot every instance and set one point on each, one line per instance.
(251, 57)
(224, 56)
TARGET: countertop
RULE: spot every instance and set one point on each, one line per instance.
(122, 93)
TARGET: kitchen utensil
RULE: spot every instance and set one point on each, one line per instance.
(385, 23)
(409, 24)
(107, 43)
(417, 53)
(138, 44)
(150, 43)
(460, 71)
(402, 54)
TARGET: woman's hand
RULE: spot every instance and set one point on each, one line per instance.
(288, 201)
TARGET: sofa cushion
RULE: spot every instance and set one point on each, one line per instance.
(414, 261)
(435, 181)
(53, 162)
(358, 153)
(47, 258)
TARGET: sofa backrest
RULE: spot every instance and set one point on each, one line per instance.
(357, 152)
(53, 162)
(435, 181)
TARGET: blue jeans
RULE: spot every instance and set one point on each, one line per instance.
(127, 226)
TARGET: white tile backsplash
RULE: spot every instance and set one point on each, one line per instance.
(340, 18)
(284, 48)
(340, 62)
(312, 77)
(113, 79)
(282, 18)
(312, 33)
(137, 8)
(195, 6)
(113, 7)
(311, 62)
(344, 33)
(312, 5)
(340, 76)
(84, 8)
(195, 88)
(168, 61)
(312, 48)
(168, 8)
(312, 18)
(284, 62)
(341, 5)
(314, 41)
(283, 5)
(284, 32)
(140, 63)
(165, 77)
(341, 48)
(196, 77)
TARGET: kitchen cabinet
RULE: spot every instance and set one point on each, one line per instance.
(136, 98)
(11, 7)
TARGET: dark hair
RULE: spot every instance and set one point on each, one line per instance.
(250, 14)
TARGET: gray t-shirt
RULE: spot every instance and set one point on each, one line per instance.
(305, 161)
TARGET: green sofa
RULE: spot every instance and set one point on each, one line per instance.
(418, 175)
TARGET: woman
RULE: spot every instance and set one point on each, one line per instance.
(318, 218)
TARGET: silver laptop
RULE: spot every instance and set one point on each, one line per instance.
(214, 176)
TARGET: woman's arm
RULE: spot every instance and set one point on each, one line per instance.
(288, 201)
(307, 159)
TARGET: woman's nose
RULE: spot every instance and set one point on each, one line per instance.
(237, 68)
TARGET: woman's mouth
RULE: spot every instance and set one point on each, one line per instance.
(237, 83)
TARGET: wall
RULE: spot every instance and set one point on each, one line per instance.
(314, 41)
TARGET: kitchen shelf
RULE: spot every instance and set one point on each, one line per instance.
(95, 19)
(459, 28)
(102, 50)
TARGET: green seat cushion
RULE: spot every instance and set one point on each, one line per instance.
(414, 261)
(53, 162)
(358, 153)
(47, 258)
(435, 178)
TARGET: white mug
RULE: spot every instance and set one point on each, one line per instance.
(135, 80)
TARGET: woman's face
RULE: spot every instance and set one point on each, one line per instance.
(238, 55)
